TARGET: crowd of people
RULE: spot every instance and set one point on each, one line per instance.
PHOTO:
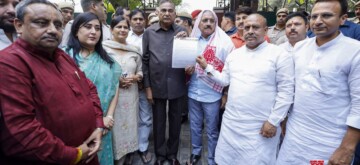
(80, 91)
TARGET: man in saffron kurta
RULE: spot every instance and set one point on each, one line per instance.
(49, 109)
(260, 94)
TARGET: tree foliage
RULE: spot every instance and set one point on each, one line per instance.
(132, 4)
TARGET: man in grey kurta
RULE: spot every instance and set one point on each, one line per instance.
(162, 82)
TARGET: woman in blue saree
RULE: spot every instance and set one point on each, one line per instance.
(85, 47)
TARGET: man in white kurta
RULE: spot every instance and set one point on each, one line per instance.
(324, 123)
(261, 91)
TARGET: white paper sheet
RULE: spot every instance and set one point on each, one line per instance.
(184, 52)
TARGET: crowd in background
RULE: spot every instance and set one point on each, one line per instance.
(82, 91)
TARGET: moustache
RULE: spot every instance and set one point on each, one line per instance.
(249, 36)
(293, 31)
(207, 27)
(50, 36)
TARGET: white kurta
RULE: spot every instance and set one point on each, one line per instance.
(287, 46)
(327, 100)
(4, 40)
(135, 40)
(261, 89)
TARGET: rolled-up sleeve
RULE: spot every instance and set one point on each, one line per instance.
(353, 119)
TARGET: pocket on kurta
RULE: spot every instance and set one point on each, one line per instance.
(329, 81)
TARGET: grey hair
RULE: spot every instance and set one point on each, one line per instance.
(166, 1)
(86, 4)
(21, 7)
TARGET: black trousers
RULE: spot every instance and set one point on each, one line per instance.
(167, 149)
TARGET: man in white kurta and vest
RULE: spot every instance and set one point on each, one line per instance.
(323, 127)
(261, 91)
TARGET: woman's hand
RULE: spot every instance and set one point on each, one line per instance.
(108, 122)
(125, 82)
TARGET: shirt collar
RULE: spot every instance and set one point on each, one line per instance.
(131, 33)
(262, 45)
(37, 52)
(275, 27)
(330, 43)
(237, 36)
(158, 27)
(206, 39)
(232, 30)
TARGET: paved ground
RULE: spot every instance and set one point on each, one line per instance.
(185, 148)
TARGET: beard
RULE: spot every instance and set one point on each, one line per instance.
(7, 27)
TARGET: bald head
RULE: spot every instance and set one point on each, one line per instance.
(254, 30)
(260, 18)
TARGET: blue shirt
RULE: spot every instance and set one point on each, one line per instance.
(198, 90)
(349, 29)
(232, 31)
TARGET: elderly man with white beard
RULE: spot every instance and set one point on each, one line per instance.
(261, 91)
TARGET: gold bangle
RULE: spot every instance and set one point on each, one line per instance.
(78, 156)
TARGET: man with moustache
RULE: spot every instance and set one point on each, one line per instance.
(164, 84)
(98, 8)
(38, 124)
(324, 124)
(241, 14)
(278, 30)
(7, 15)
(260, 94)
(295, 29)
(214, 45)
(135, 37)
(356, 19)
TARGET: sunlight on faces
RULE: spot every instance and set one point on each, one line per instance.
(167, 13)
(207, 24)
(239, 20)
(89, 34)
(326, 18)
(42, 27)
(137, 23)
(7, 14)
(120, 31)
(295, 29)
(254, 30)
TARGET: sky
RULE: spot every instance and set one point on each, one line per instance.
(187, 5)
(191, 5)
